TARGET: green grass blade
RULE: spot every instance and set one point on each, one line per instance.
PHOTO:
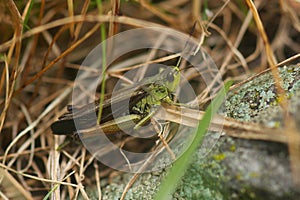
(26, 18)
(103, 39)
(173, 177)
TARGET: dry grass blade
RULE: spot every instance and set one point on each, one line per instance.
(157, 12)
(113, 27)
(97, 175)
(290, 8)
(16, 46)
(34, 124)
(11, 188)
(80, 19)
(65, 53)
(38, 178)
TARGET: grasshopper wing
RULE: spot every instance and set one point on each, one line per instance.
(85, 115)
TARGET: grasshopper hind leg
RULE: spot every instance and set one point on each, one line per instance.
(63, 127)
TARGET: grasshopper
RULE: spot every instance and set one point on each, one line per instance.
(144, 98)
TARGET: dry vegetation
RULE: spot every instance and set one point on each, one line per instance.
(42, 44)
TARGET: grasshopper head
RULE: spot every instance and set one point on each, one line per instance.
(171, 77)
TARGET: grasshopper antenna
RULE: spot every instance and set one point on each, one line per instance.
(186, 44)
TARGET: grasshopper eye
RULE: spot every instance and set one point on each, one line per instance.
(170, 76)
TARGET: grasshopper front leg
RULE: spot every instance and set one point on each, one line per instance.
(153, 110)
(144, 120)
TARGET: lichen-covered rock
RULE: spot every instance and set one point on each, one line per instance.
(235, 168)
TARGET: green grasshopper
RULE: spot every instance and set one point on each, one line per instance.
(144, 98)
